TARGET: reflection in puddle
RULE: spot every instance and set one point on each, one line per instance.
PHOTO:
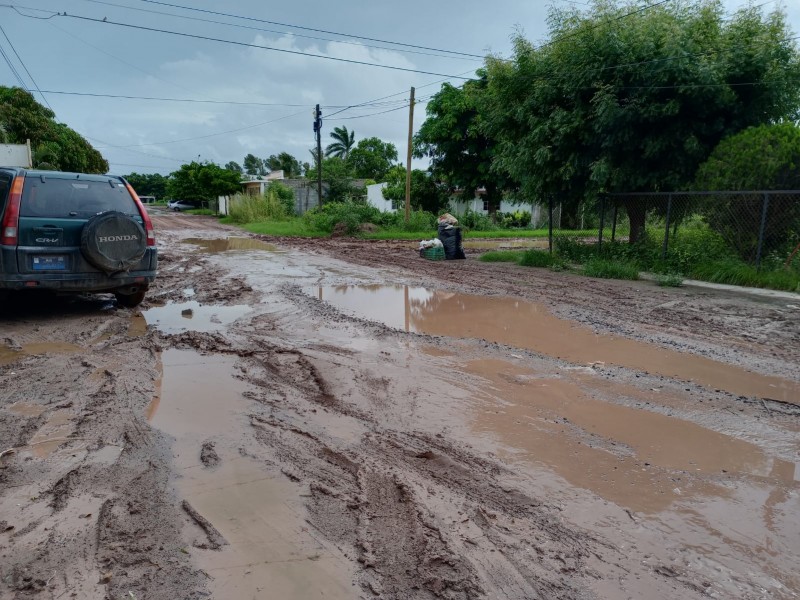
(233, 243)
(259, 512)
(635, 458)
(193, 316)
(531, 326)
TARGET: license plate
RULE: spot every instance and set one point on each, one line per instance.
(49, 263)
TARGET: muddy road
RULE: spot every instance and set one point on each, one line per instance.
(298, 419)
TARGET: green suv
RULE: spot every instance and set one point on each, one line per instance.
(73, 232)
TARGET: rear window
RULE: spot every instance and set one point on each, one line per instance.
(65, 198)
(5, 187)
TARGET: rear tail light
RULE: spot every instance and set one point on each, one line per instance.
(148, 224)
(10, 225)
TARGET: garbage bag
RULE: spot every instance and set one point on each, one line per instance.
(451, 240)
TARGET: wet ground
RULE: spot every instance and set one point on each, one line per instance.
(342, 419)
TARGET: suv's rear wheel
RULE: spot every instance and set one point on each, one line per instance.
(130, 300)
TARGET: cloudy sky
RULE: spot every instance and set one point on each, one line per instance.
(245, 98)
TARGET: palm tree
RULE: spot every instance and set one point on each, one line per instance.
(344, 143)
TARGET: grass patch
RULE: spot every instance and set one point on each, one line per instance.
(738, 273)
(290, 228)
(608, 269)
(502, 256)
(201, 211)
(669, 280)
(537, 258)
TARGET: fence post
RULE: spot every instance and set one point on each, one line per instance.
(614, 224)
(602, 222)
(550, 222)
(761, 230)
(666, 228)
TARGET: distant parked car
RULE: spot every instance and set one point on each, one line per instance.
(73, 232)
(179, 205)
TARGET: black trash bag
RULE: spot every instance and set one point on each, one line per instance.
(451, 240)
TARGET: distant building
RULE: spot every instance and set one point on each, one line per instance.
(256, 187)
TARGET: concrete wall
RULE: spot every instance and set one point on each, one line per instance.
(376, 199)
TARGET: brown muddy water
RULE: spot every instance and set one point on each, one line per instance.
(215, 246)
(531, 326)
(267, 548)
(176, 317)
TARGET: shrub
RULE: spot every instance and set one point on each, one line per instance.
(245, 208)
(285, 195)
(517, 219)
(607, 269)
(324, 218)
(476, 221)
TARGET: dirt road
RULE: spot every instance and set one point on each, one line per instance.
(298, 419)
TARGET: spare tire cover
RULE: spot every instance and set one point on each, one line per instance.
(113, 242)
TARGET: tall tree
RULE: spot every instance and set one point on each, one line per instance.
(758, 158)
(372, 158)
(284, 162)
(461, 153)
(626, 100)
(254, 166)
(202, 181)
(145, 184)
(234, 166)
(426, 194)
(54, 144)
(344, 142)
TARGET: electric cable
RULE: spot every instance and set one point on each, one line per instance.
(299, 35)
(311, 29)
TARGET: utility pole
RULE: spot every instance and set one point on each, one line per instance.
(408, 161)
(318, 133)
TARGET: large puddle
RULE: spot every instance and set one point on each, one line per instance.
(531, 326)
(270, 550)
(176, 317)
(635, 458)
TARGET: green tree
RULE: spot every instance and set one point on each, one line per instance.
(284, 162)
(54, 145)
(337, 174)
(202, 181)
(425, 193)
(372, 158)
(344, 142)
(153, 184)
(254, 166)
(622, 99)
(461, 153)
(759, 158)
(234, 166)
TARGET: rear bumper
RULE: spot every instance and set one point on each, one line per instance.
(87, 279)
(78, 282)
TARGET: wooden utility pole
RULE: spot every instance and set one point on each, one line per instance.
(408, 162)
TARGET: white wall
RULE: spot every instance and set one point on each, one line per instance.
(376, 199)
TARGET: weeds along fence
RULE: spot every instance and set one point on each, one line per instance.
(752, 227)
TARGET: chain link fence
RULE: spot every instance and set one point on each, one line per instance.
(749, 226)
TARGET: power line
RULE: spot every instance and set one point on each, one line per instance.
(192, 100)
(247, 45)
(19, 58)
(299, 35)
(359, 37)
(11, 66)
